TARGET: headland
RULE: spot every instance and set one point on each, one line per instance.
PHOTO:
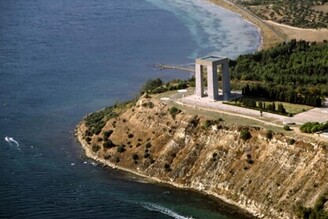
(268, 175)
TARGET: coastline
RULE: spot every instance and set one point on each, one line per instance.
(179, 151)
(269, 37)
(88, 153)
(273, 33)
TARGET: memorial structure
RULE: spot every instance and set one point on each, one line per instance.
(212, 63)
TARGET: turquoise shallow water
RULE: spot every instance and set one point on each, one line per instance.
(62, 59)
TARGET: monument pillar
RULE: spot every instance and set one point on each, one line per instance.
(226, 82)
(211, 62)
(199, 80)
(212, 82)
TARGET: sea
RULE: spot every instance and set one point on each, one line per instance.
(60, 60)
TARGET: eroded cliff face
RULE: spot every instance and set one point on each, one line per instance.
(268, 177)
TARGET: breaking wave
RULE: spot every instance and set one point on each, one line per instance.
(163, 210)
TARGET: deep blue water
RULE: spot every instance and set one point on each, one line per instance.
(62, 59)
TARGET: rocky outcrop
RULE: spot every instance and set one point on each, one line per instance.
(267, 177)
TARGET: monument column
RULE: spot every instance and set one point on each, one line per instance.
(225, 81)
(212, 82)
(199, 80)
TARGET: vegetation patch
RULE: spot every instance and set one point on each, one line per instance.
(317, 212)
(156, 86)
(174, 111)
(209, 123)
(108, 144)
(303, 13)
(294, 72)
(245, 134)
(107, 134)
(266, 106)
(95, 148)
(96, 121)
(312, 127)
(287, 128)
(121, 148)
(269, 134)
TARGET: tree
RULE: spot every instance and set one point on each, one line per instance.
(150, 85)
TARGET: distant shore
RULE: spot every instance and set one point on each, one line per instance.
(273, 33)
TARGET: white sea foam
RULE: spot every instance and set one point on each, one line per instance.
(7, 140)
(212, 28)
(11, 140)
(163, 210)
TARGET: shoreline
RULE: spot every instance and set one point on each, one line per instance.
(269, 37)
(307, 34)
(242, 209)
(273, 33)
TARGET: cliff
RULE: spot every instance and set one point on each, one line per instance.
(270, 176)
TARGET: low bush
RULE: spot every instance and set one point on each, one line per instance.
(291, 141)
(148, 104)
(245, 134)
(167, 167)
(121, 148)
(269, 134)
(130, 135)
(148, 145)
(88, 139)
(174, 111)
(135, 156)
(107, 134)
(108, 144)
(95, 148)
(317, 212)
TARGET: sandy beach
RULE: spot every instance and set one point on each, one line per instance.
(274, 33)
(317, 35)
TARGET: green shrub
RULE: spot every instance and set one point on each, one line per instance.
(135, 156)
(148, 145)
(291, 141)
(287, 128)
(148, 104)
(269, 134)
(167, 167)
(312, 127)
(121, 148)
(107, 134)
(130, 135)
(95, 148)
(108, 144)
(150, 85)
(317, 212)
(208, 123)
(88, 139)
(245, 134)
(174, 111)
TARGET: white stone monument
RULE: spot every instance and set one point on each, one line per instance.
(211, 62)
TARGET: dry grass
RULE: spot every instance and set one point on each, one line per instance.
(323, 8)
